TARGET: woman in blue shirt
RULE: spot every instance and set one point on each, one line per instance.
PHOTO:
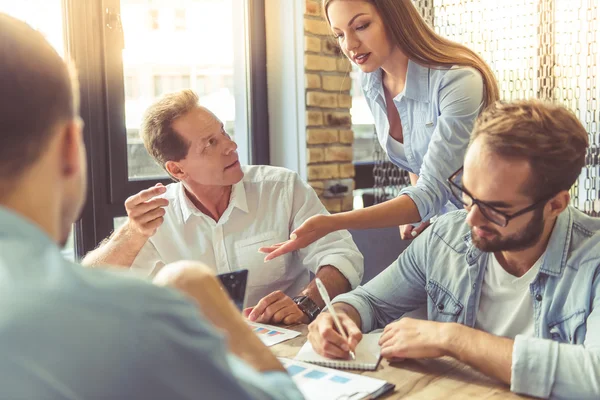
(424, 92)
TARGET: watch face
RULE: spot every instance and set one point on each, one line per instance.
(299, 299)
(308, 307)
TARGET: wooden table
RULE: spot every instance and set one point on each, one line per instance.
(442, 378)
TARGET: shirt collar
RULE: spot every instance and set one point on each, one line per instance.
(417, 82)
(237, 200)
(559, 244)
(238, 197)
(13, 224)
(416, 87)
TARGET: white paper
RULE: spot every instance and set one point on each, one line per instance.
(320, 383)
(367, 355)
(271, 335)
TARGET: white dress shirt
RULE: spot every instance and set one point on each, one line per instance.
(264, 208)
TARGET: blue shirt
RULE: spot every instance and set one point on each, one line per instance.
(73, 333)
(444, 271)
(437, 109)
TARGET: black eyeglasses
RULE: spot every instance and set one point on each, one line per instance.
(490, 212)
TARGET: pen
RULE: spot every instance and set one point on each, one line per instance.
(327, 300)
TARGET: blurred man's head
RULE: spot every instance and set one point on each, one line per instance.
(190, 142)
(42, 158)
(523, 159)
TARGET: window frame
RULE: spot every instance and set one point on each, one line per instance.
(95, 39)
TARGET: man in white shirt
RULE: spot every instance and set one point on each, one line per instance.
(221, 213)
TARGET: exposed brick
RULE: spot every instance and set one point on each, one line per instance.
(337, 83)
(330, 46)
(347, 170)
(329, 136)
(312, 43)
(316, 27)
(318, 187)
(319, 63)
(331, 118)
(321, 136)
(314, 118)
(324, 100)
(346, 136)
(315, 155)
(312, 8)
(312, 81)
(332, 204)
(344, 101)
(338, 153)
(347, 203)
(343, 65)
(323, 171)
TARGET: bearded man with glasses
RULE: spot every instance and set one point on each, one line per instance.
(512, 283)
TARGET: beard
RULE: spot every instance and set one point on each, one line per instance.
(516, 242)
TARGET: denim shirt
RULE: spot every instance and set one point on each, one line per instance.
(77, 333)
(444, 271)
(437, 109)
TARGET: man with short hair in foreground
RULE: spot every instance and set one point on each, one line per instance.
(511, 283)
(76, 333)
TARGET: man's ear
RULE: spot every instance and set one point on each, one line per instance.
(559, 202)
(175, 169)
(72, 144)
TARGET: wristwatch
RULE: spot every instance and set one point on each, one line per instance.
(307, 306)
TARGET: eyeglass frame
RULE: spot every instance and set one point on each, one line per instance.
(507, 217)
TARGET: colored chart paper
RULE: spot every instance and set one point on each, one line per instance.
(320, 383)
(271, 335)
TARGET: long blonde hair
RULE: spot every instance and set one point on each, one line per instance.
(421, 44)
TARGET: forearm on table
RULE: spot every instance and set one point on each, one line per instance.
(483, 351)
(335, 282)
(120, 249)
(398, 211)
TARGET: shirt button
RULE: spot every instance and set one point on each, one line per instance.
(440, 307)
(538, 297)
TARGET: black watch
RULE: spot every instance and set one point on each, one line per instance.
(307, 306)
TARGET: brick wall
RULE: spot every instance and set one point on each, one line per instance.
(329, 133)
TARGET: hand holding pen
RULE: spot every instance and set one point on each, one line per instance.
(331, 310)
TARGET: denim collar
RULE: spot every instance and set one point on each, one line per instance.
(416, 87)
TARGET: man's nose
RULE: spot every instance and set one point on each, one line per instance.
(230, 146)
(474, 216)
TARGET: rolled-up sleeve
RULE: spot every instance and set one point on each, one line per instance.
(461, 100)
(336, 249)
(547, 368)
(399, 289)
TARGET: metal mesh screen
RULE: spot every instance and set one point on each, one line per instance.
(546, 49)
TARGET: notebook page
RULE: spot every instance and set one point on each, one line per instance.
(367, 355)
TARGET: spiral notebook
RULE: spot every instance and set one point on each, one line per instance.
(367, 355)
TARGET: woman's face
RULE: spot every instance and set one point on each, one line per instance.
(360, 32)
